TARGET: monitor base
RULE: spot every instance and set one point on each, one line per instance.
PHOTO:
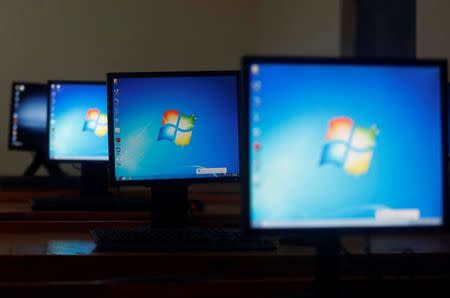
(90, 203)
(39, 182)
(294, 241)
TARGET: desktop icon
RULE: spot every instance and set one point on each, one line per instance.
(254, 69)
(348, 146)
(257, 101)
(256, 85)
(177, 128)
(257, 132)
(96, 122)
(256, 117)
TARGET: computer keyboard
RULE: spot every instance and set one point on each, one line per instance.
(183, 239)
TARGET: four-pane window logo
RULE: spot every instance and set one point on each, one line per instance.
(348, 146)
(96, 122)
(177, 128)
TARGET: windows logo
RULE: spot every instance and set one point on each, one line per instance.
(348, 146)
(96, 122)
(176, 128)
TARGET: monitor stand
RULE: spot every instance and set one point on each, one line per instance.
(56, 177)
(94, 195)
(327, 265)
(40, 158)
(169, 206)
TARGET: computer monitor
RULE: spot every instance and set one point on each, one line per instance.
(78, 129)
(78, 132)
(28, 117)
(169, 130)
(448, 109)
(28, 124)
(332, 144)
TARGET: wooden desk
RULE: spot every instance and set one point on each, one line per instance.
(67, 264)
(221, 209)
(52, 254)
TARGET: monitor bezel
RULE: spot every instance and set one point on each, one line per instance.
(73, 82)
(158, 182)
(11, 112)
(448, 103)
(244, 142)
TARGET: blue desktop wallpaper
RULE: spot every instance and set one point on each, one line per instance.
(145, 151)
(29, 112)
(32, 110)
(33, 114)
(68, 110)
(448, 110)
(291, 107)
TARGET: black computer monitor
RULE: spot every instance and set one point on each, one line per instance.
(78, 130)
(28, 117)
(78, 133)
(169, 130)
(332, 145)
(448, 105)
(28, 124)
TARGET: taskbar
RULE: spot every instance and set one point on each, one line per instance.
(171, 177)
(79, 157)
(345, 223)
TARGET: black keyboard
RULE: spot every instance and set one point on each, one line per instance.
(184, 239)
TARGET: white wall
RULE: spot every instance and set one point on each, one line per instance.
(84, 39)
(433, 29)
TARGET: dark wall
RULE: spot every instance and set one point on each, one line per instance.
(385, 28)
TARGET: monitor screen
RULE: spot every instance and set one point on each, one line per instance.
(344, 145)
(175, 126)
(78, 129)
(28, 118)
